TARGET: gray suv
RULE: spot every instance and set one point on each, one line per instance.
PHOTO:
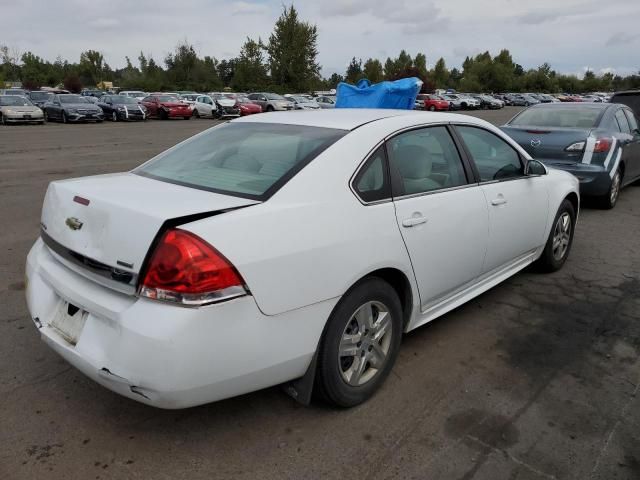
(271, 102)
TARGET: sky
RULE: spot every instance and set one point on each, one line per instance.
(571, 35)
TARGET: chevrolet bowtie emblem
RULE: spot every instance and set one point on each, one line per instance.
(73, 223)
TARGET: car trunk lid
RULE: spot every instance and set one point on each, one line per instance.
(549, 143)
(107, 223)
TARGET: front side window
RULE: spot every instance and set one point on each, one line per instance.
(250, 160)
(494, 158)
(372, 182)
(424, 160)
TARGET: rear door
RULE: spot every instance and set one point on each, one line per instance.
(631, 137)
(517, 204)
(441, 214)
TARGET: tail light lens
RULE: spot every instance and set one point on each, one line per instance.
(185, 269)
(602, 145)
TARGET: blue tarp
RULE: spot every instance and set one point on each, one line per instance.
(399, 94)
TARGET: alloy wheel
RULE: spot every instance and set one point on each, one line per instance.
(365, 343)
(114, 116)
(561, 236)
(615, 189)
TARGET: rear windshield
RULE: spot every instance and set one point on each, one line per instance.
(40, 95)
(568, 117)
(73, 99)
(250, 160)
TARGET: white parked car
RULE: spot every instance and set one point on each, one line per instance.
(203, 105)
(295, 247)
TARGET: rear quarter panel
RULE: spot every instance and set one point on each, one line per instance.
(313, 239)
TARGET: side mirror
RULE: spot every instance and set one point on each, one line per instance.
(534, 167)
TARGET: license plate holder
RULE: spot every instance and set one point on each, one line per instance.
(68, 321)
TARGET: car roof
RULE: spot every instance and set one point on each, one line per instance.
(346, 118)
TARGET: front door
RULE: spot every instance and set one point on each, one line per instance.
(517, 204)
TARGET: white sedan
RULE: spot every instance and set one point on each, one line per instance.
(294, 248)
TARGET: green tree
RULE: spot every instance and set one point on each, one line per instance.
(354, 71)
(420, 63)
(373, 71)
(440, 74)
(91, 67)
(251, 69)
(292, 50)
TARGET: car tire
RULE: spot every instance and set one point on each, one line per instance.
(196, 113)
(162, 115)
(2, 120)
(609, 199)
(432, 108)
(560, 239)
(187, 118)
(64, 117)
(463, 106)
(114, 116)
(348, 380)
(270, 108)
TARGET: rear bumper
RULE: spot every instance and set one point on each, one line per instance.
(168, 356)
(594, 179)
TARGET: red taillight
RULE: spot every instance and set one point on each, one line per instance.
(185, 269)
(602, 145)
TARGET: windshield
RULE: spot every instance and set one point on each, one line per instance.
(250, 160)
(40, 95)
(134, 94)
(558, 117)
(274, 96)
(72, 99)
(302, 99)
(14, 101)
(124, 100)
(167, 98)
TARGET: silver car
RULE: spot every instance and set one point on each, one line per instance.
(326, 101)
(15, 109)
(271, 101)
(303, 103)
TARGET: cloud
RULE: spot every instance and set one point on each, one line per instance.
(622, 38)
(247, 8)
(411, 17)
(104, 23)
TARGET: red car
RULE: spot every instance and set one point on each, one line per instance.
(247, 107)
(432, 103)
(165, 106)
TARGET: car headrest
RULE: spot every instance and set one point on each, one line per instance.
(413, 161)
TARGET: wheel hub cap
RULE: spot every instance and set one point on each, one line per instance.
(365, 343)
(561, 236)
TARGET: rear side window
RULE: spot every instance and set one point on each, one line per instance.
(494, 158)
(372, 182)
(250, 160)
(622, 122)
(633, 122)
(630, 99)
(424, 160)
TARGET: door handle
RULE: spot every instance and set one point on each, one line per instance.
(500, 200)
(413, 221)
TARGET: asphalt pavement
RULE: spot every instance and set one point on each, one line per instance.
(536, 379)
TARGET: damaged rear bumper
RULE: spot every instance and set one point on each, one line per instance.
(164, 355)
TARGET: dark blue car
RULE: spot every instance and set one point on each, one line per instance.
(597, 142)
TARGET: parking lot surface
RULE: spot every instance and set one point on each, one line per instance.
(536, 379)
